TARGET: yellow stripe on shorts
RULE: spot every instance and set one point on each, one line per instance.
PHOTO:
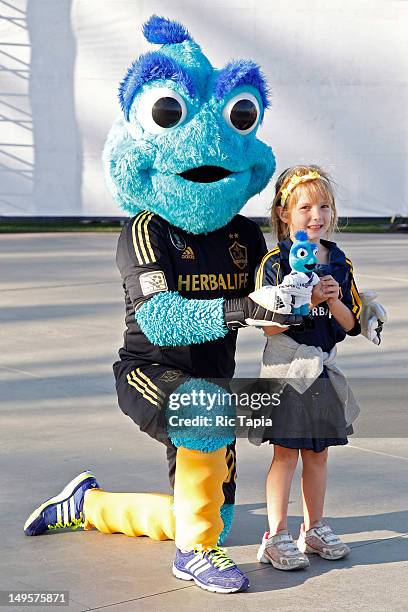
(145, 387)
(150, 383)
(141, 390)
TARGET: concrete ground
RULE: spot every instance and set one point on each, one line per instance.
(61, 316)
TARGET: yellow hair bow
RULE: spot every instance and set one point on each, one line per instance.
(295, 180)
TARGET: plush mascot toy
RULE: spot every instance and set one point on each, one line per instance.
(182, 159)
(302, 260)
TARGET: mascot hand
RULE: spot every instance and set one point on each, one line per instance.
(372, 318)
(261, 308)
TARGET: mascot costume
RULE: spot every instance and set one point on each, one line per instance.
(182, 160)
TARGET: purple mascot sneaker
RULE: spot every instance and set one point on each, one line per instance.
(210, 569)
(63, 510)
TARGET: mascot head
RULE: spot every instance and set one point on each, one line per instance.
(303, 254)
(185, 146)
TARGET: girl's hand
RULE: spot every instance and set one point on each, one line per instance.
(318, 295)
(330, 288)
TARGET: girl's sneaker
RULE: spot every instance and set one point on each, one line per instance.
(281, 551)
(321, 540)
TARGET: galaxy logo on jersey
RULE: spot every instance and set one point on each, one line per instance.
(153, 282)
(239, 255)
(188, 253)
(177, 240)
(171, 375)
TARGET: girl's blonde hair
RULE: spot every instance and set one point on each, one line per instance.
(318, 188)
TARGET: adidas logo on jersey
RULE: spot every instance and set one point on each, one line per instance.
(188, 253)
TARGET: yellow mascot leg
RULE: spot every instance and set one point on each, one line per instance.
(198, 497)
(134, 514)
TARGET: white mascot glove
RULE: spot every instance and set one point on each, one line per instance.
(279, 300)
(372, 317)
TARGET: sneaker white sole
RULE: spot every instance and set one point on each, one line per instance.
(305, 548)
(65, 493)
(214, 589)
(262, 558)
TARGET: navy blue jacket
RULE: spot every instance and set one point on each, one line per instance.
(327, 332)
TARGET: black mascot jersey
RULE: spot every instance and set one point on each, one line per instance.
(154, 256)
(326, 332)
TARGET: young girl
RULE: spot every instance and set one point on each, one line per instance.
(311, 417)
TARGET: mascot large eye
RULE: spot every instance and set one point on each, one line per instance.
(242, 113)
(167, 112)
(160, 109)
(301, 253)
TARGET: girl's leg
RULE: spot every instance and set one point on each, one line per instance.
(278, 547)
(314, 478)
(315, 535)
(278, 485)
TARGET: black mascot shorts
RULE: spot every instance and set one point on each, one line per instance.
(143, 392)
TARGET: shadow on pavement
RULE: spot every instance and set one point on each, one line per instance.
(249, 526)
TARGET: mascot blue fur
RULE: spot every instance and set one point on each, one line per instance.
(147, 163)
(150, 165)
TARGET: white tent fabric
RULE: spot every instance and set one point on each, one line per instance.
(337, 71)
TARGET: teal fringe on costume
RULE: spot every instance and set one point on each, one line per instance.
(206, 436)
(227, 515)
(168, 319)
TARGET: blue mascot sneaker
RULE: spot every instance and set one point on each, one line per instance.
(63, 510)
(210, 569)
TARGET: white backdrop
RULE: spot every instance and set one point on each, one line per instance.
(337, 70)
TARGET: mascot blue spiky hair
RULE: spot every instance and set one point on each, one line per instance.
(182, 159)
(185, 146)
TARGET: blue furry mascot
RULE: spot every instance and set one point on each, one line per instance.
(182, 159)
